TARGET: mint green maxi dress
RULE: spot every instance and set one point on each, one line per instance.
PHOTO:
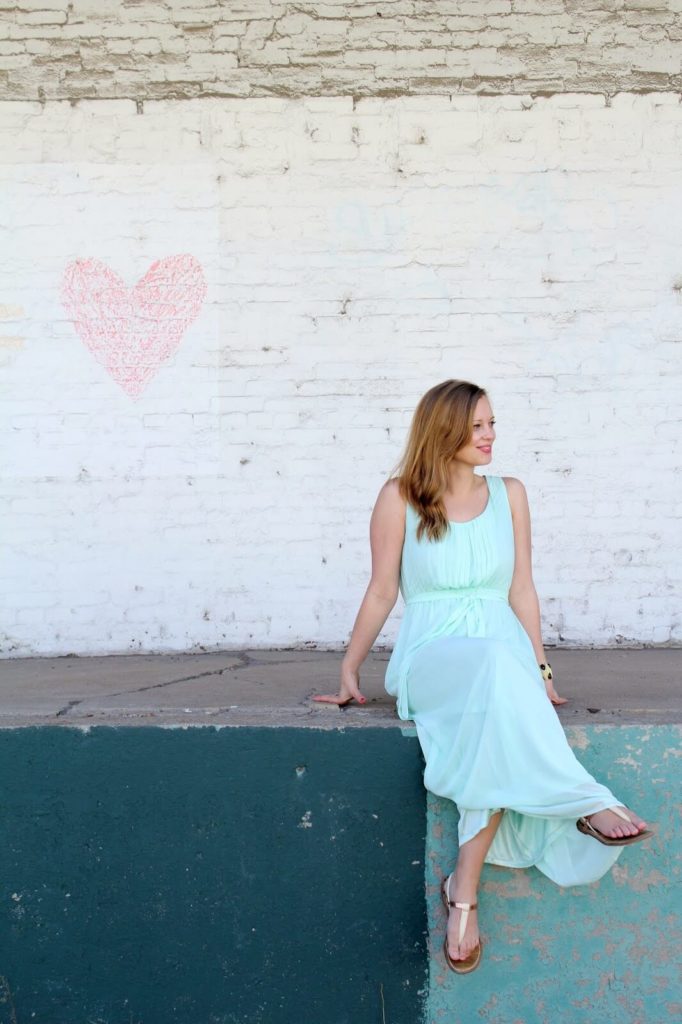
(464, 671)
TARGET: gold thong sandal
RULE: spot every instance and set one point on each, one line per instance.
(586, 827)
(474, 958)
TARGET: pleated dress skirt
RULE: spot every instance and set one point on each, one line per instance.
(464, 671)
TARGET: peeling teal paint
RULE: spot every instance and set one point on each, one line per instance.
(604, 952)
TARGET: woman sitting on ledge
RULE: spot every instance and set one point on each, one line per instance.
(469, 666)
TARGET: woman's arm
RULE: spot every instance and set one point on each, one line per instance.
(523, 597)
(387, 533)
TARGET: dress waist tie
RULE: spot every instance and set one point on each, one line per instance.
(488, 593)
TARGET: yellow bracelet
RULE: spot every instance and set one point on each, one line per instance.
(546, 670)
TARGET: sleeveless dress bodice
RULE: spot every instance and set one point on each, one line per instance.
(464, 670)
(458, 585)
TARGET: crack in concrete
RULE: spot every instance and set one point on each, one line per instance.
(173, 682)
(67, 707)
(244, 658)
(247, 661)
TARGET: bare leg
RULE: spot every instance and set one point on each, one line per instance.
(464, 886)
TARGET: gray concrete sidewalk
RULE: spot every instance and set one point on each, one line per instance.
(274, 688)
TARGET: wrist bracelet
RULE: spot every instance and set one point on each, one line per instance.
(546, 670)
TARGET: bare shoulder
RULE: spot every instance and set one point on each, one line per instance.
(390, 504)
(516, 492)
(514, 485)
(390, 495)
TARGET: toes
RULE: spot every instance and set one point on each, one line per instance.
(459, 951)
(636, 824)
(617, 828)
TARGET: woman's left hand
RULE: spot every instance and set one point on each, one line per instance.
(552, 694)
(548, 680)
(349, 689)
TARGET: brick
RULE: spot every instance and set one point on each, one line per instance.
(40, 18)
(11, 61)
(12, 48)
(149, 47)
(119, 45)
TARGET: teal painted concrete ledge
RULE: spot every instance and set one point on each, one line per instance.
(247, 875)
(606, 952)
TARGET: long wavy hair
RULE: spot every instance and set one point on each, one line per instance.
(441, 425)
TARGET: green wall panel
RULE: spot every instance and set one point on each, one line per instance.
(203, 876)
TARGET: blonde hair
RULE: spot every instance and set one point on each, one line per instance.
(442, 424)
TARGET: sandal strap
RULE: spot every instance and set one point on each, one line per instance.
(614, 810)
(453, 903)
(621, 814)
(464, 907)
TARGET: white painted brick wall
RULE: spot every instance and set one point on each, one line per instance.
(66, 49)
(354, 255)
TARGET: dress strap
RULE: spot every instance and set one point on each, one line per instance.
(494, 483)
(500, 490)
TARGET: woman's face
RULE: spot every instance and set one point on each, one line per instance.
(479, 449)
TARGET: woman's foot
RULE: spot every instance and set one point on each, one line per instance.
(613, 826)
(471, 936)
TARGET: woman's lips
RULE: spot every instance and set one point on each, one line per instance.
(485, 448)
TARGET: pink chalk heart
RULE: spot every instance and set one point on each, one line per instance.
(132, 331)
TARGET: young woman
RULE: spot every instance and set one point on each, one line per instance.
(469, 667)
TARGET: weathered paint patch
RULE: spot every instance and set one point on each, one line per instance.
(605, 951)
(579, 738)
